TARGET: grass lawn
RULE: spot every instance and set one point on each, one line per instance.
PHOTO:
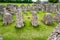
(28, 32)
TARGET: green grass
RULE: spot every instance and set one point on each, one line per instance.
(28, 32)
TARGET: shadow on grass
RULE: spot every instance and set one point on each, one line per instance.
(53, 24)
(35, 27)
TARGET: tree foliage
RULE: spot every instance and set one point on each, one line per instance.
(53, 1)
(17, 1)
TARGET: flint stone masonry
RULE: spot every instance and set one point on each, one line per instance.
(47, 18)
(19, 18)
(7, 18)
(58, 7)
(12, 8)
(55, 35)
(57, 17)
(28, 7)
(22, 7)
(43, 7)
(1, 8)
(34, 20)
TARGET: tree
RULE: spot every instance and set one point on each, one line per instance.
(17, 1)
(38, 0)
(53, 1)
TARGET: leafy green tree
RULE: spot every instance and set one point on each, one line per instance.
(53, 1)
(38, 0)
(17, 1)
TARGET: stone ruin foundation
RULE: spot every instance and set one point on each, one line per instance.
(7, 18)
(19, 18)
(34, 20)
(55, 35)
(47, 18)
